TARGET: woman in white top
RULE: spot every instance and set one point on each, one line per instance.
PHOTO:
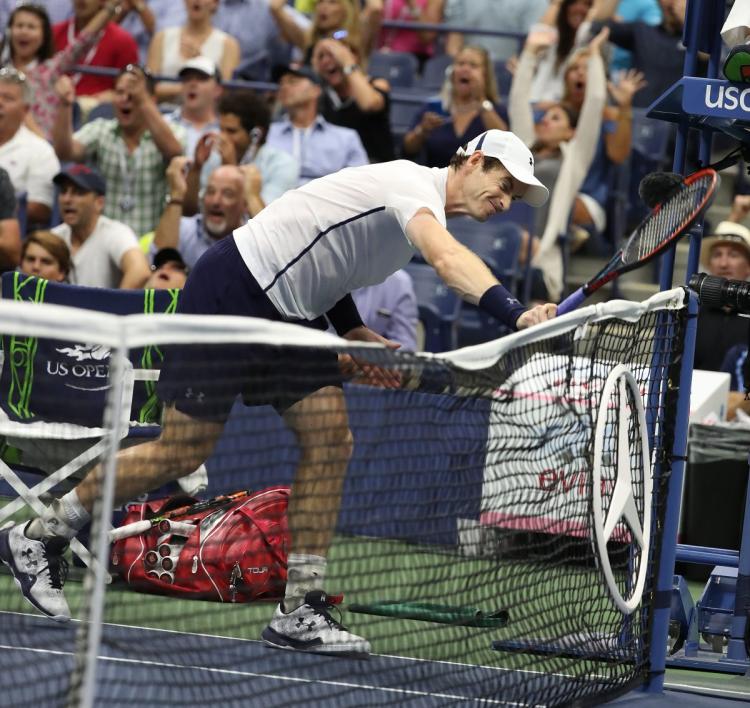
(566, 23)
(172, 47)
(563, 143)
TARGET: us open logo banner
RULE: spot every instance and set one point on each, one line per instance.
(83, 367)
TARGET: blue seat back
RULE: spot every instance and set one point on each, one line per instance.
(40, 375)
(402, 116)
(434, 72)
(497, 243)
(22, 205)
(439, 307)
(400, 68)
(503, 76)
(101, 110)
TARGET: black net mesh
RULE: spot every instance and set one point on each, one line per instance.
(491, 518)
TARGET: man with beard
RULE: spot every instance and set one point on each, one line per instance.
(223, 209)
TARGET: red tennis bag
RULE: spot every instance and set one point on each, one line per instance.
(235, 553)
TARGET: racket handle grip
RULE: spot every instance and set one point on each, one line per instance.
(571, 302)
(134, 529)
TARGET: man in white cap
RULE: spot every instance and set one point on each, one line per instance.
(200, 82)
(298, 260)
(725, 252)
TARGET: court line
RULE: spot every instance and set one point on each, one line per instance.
(291, 679)
(707, 690)
(442, 662)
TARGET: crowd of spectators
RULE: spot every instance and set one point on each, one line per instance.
(128, 145)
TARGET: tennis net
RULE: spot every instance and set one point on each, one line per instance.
(497, 538)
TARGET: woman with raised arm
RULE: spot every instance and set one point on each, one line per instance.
(613, 147)
(330, 17)
(353, 99)
(565, 25)
(30, 49)
(563, 143)
(173, 46)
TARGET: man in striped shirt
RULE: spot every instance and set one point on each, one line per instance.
(130, 150)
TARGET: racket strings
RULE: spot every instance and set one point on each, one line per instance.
(663, 225)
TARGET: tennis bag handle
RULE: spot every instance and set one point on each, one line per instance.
(236, 553)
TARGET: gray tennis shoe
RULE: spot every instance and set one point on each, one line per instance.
(38, 569)
(311, 628)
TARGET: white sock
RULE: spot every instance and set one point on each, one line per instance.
(64, 517)
(304, 573)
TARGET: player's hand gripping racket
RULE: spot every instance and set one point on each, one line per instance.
(139, 527)
(666, 223)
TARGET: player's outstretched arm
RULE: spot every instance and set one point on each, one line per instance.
(466, 274)
(463, 271)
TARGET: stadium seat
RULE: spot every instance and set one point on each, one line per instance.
(400, 68)
(498, 243)
(433, 73)
(22, 212)
(504, 77)
(402, 116)
(439, 308)
(53, 392)
(102, 110)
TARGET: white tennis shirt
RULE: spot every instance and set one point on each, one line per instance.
(338, 233)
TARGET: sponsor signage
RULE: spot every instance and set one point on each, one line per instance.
(712, 97)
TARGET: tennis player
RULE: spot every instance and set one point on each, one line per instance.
(297, 260)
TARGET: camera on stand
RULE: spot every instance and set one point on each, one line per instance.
(715, 291)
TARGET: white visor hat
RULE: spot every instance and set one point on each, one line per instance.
(515, 157)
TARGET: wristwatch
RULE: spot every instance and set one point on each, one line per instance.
(349, 69)
(487, 105)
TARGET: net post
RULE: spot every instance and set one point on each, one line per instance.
(660, 626)
(89, 634)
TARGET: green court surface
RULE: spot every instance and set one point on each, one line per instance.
(365, 569)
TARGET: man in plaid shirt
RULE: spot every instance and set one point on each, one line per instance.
(131, 150)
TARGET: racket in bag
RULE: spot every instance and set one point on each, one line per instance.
(234, 553)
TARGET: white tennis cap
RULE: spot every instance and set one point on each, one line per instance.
(516, 158)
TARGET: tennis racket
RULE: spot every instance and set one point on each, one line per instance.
(666, 223)
(139, 527)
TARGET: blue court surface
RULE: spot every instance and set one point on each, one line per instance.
(204, 669)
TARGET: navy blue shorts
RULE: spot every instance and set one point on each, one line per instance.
(203, 380)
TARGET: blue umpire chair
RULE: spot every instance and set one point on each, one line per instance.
(439, 308)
